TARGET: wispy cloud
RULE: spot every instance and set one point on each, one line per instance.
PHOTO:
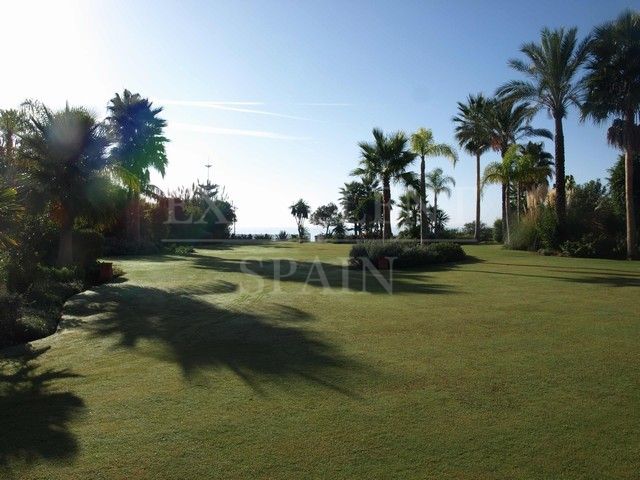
(198, 103)
(232, 107)
(325, 104)
(233, 131)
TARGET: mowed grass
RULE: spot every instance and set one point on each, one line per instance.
(511, 365)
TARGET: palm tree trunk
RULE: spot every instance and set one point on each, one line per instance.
(506, 213)
(476, 234)
(386, 200)
(632, 240)
(561, 195)
(423, 201)
(435, 214)
(65, 246)
(518, 201)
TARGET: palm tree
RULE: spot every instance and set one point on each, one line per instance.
(472, 133)
(358, 200)
(439, 183)
(612, 87)
(502, 173)
(387, 158)
(138, 133)
(551, 68)
(12, 124)
(10, 212)
(300, 211)
(423, 145)
(68, 150)
(508, 122)
(532, 168)
(409, 214)
(438, 219)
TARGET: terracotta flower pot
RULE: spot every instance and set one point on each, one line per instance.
(106, 272)
(383, 263)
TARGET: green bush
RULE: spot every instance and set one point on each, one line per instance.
(525, 235)
(592, 246)
(447, 251)
(497, 231)
(117, 247)
(9, 311)
(174, 249)
(548, 227)
(405, 254)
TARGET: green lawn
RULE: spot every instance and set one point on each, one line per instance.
(512, 365)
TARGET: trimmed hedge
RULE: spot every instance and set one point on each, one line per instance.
(405, 254)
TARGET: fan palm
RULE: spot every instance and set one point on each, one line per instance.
(409, 215)
(358, 201)
(472, 133)
(386, 158)
(68, 150)
(551, 67)
(612, 86)
(138, 133)
(439, 183)
(300, 211)
(423, 145)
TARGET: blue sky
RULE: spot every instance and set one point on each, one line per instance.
(277, 94)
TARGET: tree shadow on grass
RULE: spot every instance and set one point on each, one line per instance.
(35, 417)
(330, 276)
(571, 269)
(608, 280)
(605, 279)
(200, 336)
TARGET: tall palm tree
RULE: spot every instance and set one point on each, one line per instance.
(300, 211)
(423, 145)
(502, 173)
(138, 133)
(387, 158)
(68, 150)
(551, 67)
(612, 87)
(439, 183)
(473, 135)
(508, 122)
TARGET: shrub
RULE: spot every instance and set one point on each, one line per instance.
(525, 234)
(469, 230)
(590, 246)
(282, 235)
(174, 249)
(548, 227)
(116, 247)
(497, 231)
(447, 251)
(9, 308)
(405, 254)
